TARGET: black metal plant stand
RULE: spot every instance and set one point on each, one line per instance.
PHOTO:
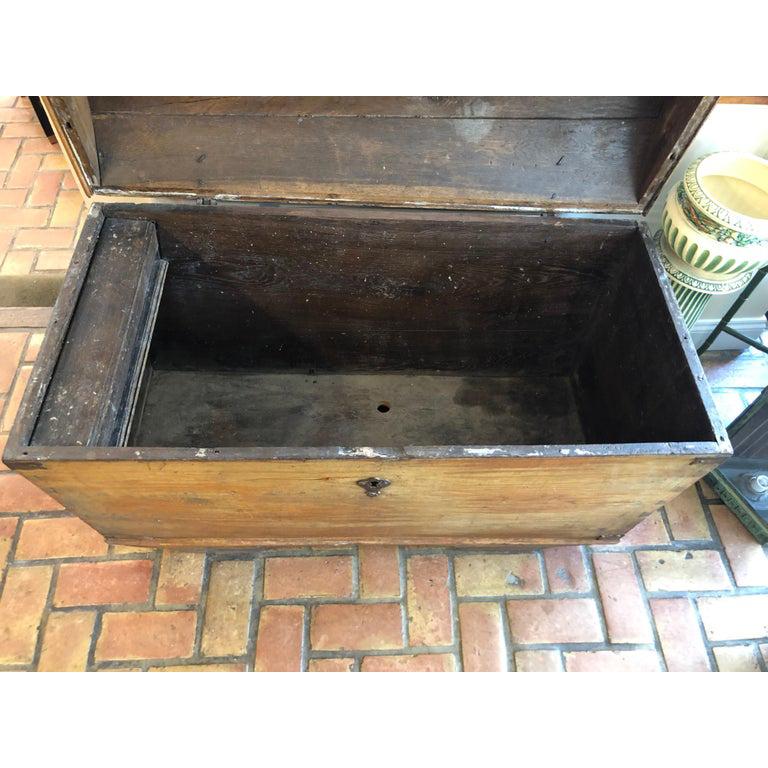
(723, 327)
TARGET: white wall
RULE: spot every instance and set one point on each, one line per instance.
(742, 128)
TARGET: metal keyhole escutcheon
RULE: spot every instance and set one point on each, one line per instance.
(373, 486)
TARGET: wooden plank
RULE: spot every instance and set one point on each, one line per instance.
(95, 375)
(72, 122)
(761, 100)
(634, 389)
(358, 290)
(499, 107)
(244, 408)
(233, 503)
(681, 120)
(550, 163)
(63, 311)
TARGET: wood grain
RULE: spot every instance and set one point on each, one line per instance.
(87, 400)
(71, 120)
(207, 502)
(499, 107)
(365, 290)
(463, 161)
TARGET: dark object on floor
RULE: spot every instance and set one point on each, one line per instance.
(742, 481)
(42, 118)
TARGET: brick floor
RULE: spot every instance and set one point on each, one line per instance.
(40, 207)
(685, 590)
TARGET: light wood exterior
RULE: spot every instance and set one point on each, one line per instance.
(208, 502)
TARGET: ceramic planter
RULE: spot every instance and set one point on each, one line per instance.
(715, 228)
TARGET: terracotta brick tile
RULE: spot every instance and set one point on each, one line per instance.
(228, 608)
(356, 627)
(8, 527)
(12, 198)
(58, 537)
(11, 350)
(45, 188)
(12, 218)
(746, 557)
(23, 131)
(680, 636)
(482, 638)
(180, 579)
(33, 347)
(55, 162)
(331, 665)
(23, 172)
(612, 661)
(44, 238)
(199, 668)
(5, 242)
(146, 635)
(69, 181)
(693, 571)
(565, 569)
(14, 400)
(278, 642)
(425, 662)
(18, 263)
(66, 641)
(647, 532)
(626, 617)
(2, 178)
(106, 583)
(538, 661)
(18, 114)
(39, 146)
(7, 101)
(379, 572)
(19, 495)
(8, 150)
(429, 600)
(736, 658)
(53, 260)
(741, 617)
(21, 611)
(69, 205)
(565, 620)
(686, 517)
(498, 574)
(287, 577)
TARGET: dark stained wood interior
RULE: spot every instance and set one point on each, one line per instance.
(96, 378)
(370, 290)
(535, 315)
(596, 153)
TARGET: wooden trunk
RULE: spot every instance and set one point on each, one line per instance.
(448, 357)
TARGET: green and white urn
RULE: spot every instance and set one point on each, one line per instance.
(714, 229)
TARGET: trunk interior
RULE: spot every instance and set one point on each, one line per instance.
(287, 326)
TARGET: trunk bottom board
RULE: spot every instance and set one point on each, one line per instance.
(215, 408)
